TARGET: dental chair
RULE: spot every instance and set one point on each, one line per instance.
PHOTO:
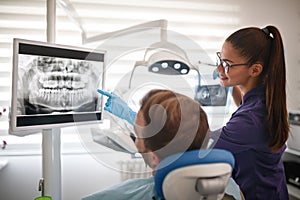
(196, 174)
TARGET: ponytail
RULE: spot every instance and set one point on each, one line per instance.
(276, 91)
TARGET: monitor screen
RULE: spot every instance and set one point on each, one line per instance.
(54, 85)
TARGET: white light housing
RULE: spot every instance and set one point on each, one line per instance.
(166, 58)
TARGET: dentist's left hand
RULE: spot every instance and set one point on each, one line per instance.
(118, 107)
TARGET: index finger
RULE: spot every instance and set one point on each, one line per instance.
(104, 93)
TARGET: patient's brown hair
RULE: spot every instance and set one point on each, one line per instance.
(173, 123)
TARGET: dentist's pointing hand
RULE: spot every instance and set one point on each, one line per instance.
(118, 107)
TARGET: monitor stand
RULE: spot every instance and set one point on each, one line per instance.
(51, 137)
(51, 162)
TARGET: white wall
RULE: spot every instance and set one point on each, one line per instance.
(285, 15)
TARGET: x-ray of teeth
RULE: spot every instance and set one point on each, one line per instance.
(50, 85)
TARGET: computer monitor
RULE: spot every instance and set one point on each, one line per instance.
(54, 85)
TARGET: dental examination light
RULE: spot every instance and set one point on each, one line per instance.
(165, 61)
(165, 58)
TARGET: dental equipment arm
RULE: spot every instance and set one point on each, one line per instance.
(116, 106)
(215, 74)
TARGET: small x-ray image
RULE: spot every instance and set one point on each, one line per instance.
(211, 95)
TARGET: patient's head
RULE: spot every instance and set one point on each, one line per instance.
(169, 123)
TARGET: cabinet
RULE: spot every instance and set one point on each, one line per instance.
(292, 155)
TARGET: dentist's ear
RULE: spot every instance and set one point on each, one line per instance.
(256, 69)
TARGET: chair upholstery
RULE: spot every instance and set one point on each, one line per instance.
(196, 174)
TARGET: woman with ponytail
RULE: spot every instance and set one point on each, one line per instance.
(252, 62)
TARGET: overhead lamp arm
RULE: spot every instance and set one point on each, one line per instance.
(158, 23)
(72, 14)
(67, 6)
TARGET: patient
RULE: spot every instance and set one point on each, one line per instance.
(167, 123)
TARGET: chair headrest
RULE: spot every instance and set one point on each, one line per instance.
(194, 157)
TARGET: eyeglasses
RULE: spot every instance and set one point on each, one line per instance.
(225, 64)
